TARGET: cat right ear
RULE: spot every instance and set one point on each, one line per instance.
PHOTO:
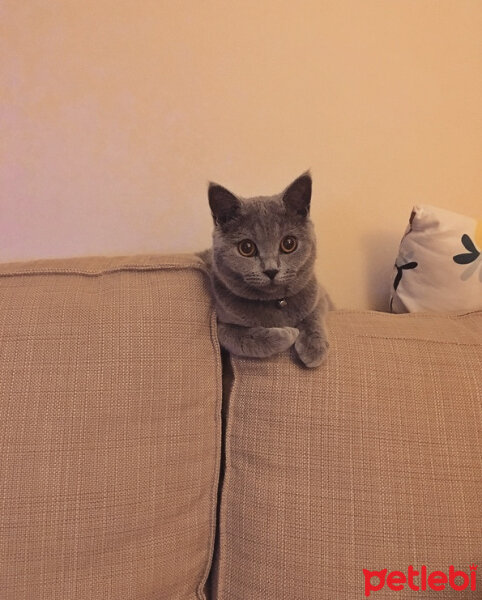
(297, 196)
(224, 205)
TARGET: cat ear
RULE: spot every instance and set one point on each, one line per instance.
(297, 196)
(224, 205)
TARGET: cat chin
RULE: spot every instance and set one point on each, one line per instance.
(272, 291)
(258, 293)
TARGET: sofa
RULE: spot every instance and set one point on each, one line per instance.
(140, 462)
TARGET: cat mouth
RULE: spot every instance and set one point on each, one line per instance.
(276, 287)
(273, 283)
(267, 290)
(272, 287)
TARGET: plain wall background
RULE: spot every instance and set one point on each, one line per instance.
(115, 114)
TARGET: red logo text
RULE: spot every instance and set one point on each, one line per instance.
(420, 580)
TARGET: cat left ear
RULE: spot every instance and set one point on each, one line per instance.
(297, 196)
(224, 205)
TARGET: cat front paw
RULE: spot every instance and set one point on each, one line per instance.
(279, 339)
(311, 349)
(256, 342)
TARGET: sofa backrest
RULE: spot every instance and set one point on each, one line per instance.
(110, 391)
(371, 462)
(111, 443)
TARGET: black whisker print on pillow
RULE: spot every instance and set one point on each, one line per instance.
(398, 277)
(470, 256)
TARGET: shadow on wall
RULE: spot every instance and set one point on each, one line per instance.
(379, 273)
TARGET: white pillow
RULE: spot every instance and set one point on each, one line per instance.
(439, 264)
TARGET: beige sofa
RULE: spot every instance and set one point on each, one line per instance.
(129, 470)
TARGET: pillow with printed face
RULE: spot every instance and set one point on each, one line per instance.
(439, 264)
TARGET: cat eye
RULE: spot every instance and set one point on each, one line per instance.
(247, 248)
(288, 244)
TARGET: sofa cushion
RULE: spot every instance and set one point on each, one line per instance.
(110, 389)
(439, 263)
(370, 462)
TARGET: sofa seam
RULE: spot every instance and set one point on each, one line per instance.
(379, 313)
(218, 433)
(413, 339)
(222, 519)
(126, 267)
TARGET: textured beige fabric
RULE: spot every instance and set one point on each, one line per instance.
(110, 389)
(372, 461)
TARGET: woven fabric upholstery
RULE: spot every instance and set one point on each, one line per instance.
(372, 461)
(110, 389)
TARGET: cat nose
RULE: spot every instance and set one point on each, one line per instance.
(271, 273)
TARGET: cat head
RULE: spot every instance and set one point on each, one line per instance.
(263, 247)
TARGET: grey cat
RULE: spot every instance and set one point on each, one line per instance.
(261, 265)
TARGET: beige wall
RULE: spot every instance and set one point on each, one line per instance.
(115, 114)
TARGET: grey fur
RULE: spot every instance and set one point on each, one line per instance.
(250, 320)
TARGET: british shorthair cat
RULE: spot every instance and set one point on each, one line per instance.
(261, 266)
